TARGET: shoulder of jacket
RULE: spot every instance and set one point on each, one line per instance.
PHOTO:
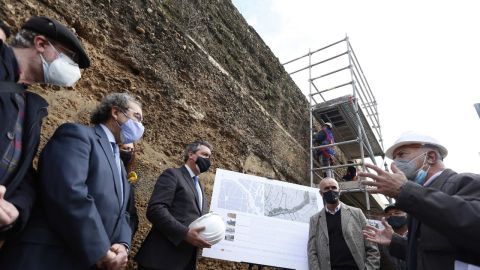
(74, 126)
(175, 172)
(36, 100)
(314, 218)
(352, 209)
(75, 129)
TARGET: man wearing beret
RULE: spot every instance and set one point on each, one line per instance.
(44, 51)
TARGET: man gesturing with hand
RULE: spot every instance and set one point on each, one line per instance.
(444, 206)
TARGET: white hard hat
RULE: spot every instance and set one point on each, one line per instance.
(328, 124)
(214, 227)
(416, 138)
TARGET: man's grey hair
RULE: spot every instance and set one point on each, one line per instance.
(103, 111)
(194, 147)
(24, 39)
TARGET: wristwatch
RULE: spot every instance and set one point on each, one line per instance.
(126, 247)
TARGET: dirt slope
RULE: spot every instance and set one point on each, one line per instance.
(201, 72)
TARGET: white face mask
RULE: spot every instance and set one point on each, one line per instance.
(62, 71)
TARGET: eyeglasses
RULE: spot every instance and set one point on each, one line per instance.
(138, 116)
(71, 54)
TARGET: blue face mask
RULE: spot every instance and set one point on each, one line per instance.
(421, 176)
(410, 170)
(131, 131)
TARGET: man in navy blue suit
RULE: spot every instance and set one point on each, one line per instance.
(81, 221)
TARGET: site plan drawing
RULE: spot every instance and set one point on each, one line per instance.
(267, 220)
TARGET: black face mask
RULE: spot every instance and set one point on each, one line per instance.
(331, 196)
(397, 221)
(203, 164)
(126, 157)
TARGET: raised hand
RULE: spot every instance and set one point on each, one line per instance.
(382, 237)
(386, 183)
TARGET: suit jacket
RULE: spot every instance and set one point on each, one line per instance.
(21, 185)
(79, 215)
(172, 207)
(364, 252)
(445, 224)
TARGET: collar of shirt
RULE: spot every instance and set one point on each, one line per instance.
(189, 171)
(429, 181)
(336, 209)
(109, 134)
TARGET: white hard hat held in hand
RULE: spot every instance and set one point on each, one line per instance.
(214, 227)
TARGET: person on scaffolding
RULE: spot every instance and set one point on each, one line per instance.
(325, 155)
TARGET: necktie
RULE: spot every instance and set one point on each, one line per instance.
(116, 154)
(199, 190)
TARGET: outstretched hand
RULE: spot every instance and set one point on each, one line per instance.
(385, 183)
(382, 237)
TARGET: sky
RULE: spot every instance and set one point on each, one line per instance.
(421, 60)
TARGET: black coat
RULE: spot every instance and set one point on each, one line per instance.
(80, 213)
(447, 226)
(20, 187)
(172, 207)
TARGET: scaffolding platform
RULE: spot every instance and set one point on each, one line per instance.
(356, 197)
(341, 113)
(340, 94)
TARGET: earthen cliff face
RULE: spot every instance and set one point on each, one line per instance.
(201, 72)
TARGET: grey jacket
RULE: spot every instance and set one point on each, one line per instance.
(364, 252)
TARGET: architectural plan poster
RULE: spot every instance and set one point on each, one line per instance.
(267, 220)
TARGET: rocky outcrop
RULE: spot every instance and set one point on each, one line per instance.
(201, 72)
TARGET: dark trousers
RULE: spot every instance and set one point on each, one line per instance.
(191, 265)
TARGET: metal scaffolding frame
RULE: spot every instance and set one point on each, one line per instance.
(356, 133)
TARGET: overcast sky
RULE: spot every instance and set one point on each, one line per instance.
(421, 59)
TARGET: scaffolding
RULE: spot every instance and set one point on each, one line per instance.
(339, 93)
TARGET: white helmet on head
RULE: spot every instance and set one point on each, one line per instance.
(416, 138)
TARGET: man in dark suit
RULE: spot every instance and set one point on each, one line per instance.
(444, 206)
(176, 201)
(44, 51)
(81, 221)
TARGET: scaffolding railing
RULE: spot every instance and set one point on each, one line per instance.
(339, 93)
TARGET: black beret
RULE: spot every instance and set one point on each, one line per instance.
(59, 33)
(5, 29)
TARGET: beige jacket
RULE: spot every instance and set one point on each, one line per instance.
(364, 252)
